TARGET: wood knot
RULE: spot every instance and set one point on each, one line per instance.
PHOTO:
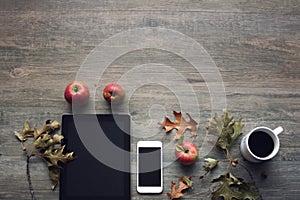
(19, 72)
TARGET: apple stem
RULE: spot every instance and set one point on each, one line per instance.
(76, 88)
(111, 92)
(186, 151)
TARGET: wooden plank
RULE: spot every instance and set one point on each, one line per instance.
(255, 46)
(274, 6)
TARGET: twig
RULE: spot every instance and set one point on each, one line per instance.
(229, 159)
(204, 175)
(29, 179)
(228, 155)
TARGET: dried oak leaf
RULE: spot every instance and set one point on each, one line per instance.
(49, 127)
(54, 176)
(54, 156)
(27, 132)
(46, 144)
(45, 140)
(227, 129)
(184, 183)
(234, 188)
(180, 124)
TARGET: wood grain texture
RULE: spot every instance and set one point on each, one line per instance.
(255, 45)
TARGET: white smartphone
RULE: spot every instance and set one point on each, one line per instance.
(149, 167)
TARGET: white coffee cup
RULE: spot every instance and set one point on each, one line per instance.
(260, 144)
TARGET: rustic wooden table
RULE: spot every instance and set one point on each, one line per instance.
(255, 46)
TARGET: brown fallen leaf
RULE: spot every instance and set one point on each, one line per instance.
(48, 127)
(47, 145)
(180, 124)
(184, 182)
(27, 132)
(54, 176)
(54, 156)
(45, 140)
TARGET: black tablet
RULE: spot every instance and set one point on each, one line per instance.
(101, 168)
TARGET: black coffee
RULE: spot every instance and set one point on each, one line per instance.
(261, 144)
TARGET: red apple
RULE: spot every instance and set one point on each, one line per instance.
(186, 153)
(77, 93)
(113, 93)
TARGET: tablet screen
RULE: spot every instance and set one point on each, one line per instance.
(88, 177)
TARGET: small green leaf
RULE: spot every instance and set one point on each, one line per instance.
(179, 148)
(210, 164)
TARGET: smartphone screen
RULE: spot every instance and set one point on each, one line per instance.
(149, 167)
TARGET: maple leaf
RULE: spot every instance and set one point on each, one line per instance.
(227, 129)
(184, 183)
(234, 188)
(180, 124)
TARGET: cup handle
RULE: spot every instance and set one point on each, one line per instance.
(278, 130)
